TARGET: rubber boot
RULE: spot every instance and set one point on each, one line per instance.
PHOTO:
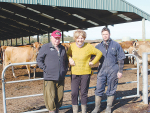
(110, 100)
(52, 111)
(97, 104)
(57, 110)
(83, 107)
(75, 108)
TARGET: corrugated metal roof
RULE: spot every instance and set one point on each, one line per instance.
(115, 5)
(21, 18)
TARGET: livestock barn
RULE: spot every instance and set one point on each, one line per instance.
(25, 18)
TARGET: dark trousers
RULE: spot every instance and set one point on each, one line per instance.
(82, 81)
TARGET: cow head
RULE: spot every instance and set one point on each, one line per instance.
(37, 46)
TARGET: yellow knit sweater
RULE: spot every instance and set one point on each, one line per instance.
(81, 57)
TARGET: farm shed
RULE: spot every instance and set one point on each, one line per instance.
(22, 18)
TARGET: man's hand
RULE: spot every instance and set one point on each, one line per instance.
(90, 63)
(119, 75)
(71, 61)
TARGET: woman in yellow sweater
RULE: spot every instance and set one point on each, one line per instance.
(79, 55)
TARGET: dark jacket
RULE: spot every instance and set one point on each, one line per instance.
(111, 56)
(53, 64)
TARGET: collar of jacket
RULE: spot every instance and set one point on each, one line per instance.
(52, 46)
(59, 47)
(108, 41)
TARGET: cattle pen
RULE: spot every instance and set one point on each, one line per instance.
(68, 105)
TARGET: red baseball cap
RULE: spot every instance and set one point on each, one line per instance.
(56, 33)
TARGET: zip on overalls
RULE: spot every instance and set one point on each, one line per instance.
(106, 62)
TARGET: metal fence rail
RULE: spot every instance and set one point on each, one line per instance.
(63, 107)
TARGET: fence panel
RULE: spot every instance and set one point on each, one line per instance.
(63, 107)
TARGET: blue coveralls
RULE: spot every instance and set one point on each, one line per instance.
(108, 68)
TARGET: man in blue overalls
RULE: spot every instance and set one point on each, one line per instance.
(109, 70)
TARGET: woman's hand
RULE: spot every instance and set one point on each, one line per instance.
(119, 75)
(71, 61)
(90, 63)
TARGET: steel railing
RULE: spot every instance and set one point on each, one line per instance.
(63, 107)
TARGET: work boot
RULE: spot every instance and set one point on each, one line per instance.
(110, 100)
(75, 108)
(97, 104)
(57, 110)
(52, 111)
(83, 107)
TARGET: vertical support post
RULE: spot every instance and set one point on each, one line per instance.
(37, 38)
(145, 78)
(143, 29)
(41, 39)
(0, 42)
(22, 40)
(29, 39)
(7, 42)
(62, 37)
(3, 42)
(48, 38)
(11, 41)
(16, 41)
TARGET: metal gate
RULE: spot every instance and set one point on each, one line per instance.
(63, 107)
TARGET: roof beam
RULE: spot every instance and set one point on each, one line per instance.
(23, 21)
(41, 19)
(17, 25)
(13, 30)
(86, 13)
(63, 15)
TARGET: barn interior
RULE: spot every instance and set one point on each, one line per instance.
(24, 19)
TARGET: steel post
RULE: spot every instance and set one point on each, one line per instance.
(145, 78)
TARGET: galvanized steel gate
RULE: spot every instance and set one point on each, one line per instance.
(63, 107)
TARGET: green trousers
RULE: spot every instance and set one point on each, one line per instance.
(53, 94)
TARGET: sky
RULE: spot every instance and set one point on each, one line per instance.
(118, 31)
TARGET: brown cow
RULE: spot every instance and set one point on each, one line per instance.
(126, 44)
(136, 44)
(139, 50)
(94, 43)
(18, 55)
(21, 54)
(66, 45)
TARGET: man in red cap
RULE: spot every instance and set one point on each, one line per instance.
(52, 59)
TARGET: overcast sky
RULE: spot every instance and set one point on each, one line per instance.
(118, 31)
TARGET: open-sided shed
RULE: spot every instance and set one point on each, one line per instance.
(22, 18)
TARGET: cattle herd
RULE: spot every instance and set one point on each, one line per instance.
(136, 48)
(28, 53)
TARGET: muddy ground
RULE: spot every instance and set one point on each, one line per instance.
(132, 105)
